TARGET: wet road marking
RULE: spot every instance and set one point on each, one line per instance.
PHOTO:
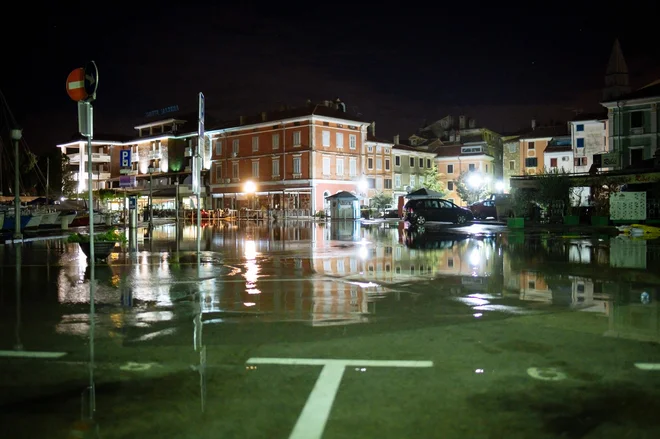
(136, 367)
(314, 416)
(648, 366)
(546, 373)
(31, 354)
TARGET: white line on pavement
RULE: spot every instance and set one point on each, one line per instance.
(31, 354)
(648, 366)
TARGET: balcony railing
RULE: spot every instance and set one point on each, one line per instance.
(96, 158)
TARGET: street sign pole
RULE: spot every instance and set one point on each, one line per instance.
(197, 160)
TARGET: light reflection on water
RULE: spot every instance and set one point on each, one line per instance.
(331, 273)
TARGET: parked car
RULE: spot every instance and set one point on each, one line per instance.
(489, 207)
(390, 212)
(421, 210)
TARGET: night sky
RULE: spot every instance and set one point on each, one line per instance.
(397, 66)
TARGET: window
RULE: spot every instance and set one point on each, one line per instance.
(340, 166)
(218, 173)
(387, 164)
(276, 141)
(486, 168)
(636, 119)
(370, 163)
(352, 141)
(450, 169)
(531, 162)
(450, 185)
(580, 142)
(412, 162)
(530, 145)
(326, 165)
(471, 149)
(579, 127)
(553, 163)
(388, 183)
(412, 181)
(370, 148)
(296, 166)
(471, 167)
(234, 147)
(352, 167)
(276, 167)
(580, 161)
(397, 160)
(513, 147)
(255, 168)
(234, 169)
(255, 144)
(340, 140)
(428, 163)
(326, 138)
(379, 164)
(371, 183)
(421, 163)
(218, 147)
(379, 184)
(512, 165)
(296, 138)
(397, 180)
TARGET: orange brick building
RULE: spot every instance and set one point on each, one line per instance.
(292, 158)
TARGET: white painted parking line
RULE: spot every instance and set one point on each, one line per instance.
(648, 366)
(31, 354)
(314, 416)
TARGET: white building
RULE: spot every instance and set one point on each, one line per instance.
(558, 155)
(589, 137)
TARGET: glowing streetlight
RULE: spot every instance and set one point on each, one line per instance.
(475, 180)
(363, 185)
(250, 188)
(499, 186)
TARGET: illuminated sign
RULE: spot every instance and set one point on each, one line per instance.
(170, 109)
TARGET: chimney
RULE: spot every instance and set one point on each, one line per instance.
(472, 123)
(372, 128)
(264, 116)
(309, 102)
(242, 120)
(461, 122)
(533, 124)
(396, 140)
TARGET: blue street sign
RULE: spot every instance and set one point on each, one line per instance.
(132, 203)
(91, 79)
(125, 158)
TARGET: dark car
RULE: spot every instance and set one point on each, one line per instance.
(421, 210)
(489, 207)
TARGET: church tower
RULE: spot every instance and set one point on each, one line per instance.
(616, 76)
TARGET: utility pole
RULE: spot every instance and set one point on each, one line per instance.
(16, 136)
(47, 177)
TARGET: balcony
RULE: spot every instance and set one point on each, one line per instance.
(96, 158)
(95, 176)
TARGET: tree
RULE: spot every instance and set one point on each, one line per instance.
(472, 187)
(68, 184)
(431, 180)
(381, 200)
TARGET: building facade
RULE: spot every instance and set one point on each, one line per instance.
(292, 158)
(454, 160)
(632, 126)
(409, 168)
(558, 155)
(511, 163)
(533, 145)
(378, 166)
(588, 138)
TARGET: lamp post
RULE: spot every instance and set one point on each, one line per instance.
(151, 199)
(176, 200)
(16, 136)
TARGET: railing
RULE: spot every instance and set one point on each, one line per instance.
(96, 157)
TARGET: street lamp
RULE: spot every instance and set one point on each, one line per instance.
(250, 188)
(151, 170)
(475, 180)
(363, 187)
(499, 186)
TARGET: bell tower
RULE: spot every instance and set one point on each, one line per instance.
(617, 83)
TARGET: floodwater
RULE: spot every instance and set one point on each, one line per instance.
(332, 331)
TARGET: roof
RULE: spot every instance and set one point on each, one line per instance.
(543, 132)
(344, 195)
(590, 116)
(289, 113)
(100, 137)
(400, 147)
(617, 64)
(651, 90)
(371, 138)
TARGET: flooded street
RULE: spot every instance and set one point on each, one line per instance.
(337, 330)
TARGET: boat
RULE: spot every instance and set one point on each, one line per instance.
(9, 223)
(50, 219)
(2, 219)
(82, 219)
(35, 220)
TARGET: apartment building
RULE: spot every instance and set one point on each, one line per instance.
(409, 165)
(292, 158)
(533, 145)
(378, 169)
(453, 160)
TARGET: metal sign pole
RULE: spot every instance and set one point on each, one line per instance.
(92, 263)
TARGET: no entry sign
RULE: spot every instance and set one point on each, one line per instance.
(75, 85)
